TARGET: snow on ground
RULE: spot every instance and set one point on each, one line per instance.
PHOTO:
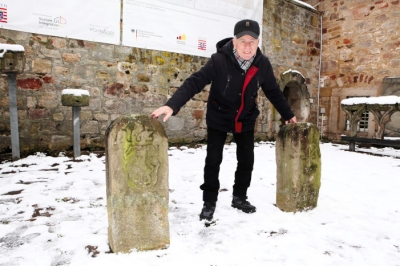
(53, 212)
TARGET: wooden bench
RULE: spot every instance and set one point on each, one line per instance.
(378, 142)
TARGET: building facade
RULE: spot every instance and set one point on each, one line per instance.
(124, 80)
(360, 57)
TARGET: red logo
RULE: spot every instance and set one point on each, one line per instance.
(202, 45)
(3, 15)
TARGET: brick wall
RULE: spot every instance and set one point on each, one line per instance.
(361, 46)
(123, 80)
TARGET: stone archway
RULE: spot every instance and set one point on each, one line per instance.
(293, 85)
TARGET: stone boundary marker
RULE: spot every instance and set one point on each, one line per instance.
(137, 184)
(298, 161)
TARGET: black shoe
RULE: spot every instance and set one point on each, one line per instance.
(208, 211)
(243, 204)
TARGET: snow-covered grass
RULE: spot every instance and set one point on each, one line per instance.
(53, 212)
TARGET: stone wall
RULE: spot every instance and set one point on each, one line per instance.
(291, 39)
(124, 80)
(361, 46)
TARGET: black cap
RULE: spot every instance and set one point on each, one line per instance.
(247, 27)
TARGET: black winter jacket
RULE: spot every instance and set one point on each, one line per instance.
(231, 105)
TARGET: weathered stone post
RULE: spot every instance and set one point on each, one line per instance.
(298, 161)
(12, 62)
(137, 184)
(75, 98)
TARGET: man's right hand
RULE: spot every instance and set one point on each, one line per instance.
(164, 110)
(292, 120)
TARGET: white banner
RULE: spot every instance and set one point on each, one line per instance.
(91, 20)
(184, 26)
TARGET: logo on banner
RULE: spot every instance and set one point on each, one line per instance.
(61, 21)
(202, 44)
(181, 39)
(142, 34)
(134, 32)
(52, 24)
(101, 31)
(3, 14)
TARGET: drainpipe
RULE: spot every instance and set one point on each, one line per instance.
(319, 71)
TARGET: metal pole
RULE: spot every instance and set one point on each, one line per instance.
(322, 125)
(12, 98)
(319, 71)
(77, 130)
(322, 110)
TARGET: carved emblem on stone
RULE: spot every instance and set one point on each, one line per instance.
(141, 161)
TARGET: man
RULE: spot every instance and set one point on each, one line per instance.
(236, 72)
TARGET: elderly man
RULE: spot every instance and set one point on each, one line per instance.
(236, 72)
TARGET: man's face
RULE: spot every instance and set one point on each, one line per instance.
(246, 46)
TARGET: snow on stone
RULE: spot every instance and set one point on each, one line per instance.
(4, 48)
(76, 92)
(304, 4)
(372, 100)
(293, 71)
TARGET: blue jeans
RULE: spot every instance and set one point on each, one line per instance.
(245, 161)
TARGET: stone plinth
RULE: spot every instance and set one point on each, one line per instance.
(137, 184)
(298, 161)
(69, 98)
(12, 58)
(75, 98)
